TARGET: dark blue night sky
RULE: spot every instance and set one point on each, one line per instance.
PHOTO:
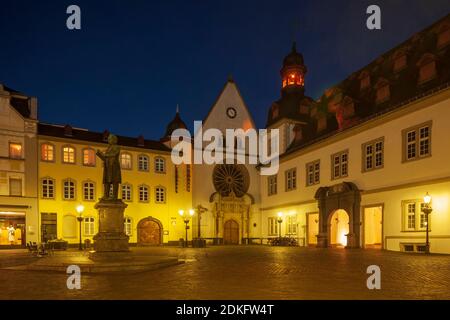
(134, 61)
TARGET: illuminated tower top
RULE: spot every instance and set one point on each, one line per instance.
(293, 71)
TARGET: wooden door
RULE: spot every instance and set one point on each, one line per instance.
(149, 232)
(231, 232)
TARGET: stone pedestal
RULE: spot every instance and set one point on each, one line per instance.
(111, 236)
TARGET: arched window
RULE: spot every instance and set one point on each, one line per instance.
(143, 162)
(68, 154)
(143, 193)
(68, 189)
(126, 192)
(128, 225)
(89, 226)
(48, 188)
(88, 191)
(89, 157)
(125, 161)
(160, 194)
(47, 152)
(160, 165)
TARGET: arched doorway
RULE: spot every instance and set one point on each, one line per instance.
(149, 232)
(231, 232)
(339, 228)
(341, 197)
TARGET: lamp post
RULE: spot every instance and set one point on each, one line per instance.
(427, 210)
(280, 221)
(186, 219)
(80, 209)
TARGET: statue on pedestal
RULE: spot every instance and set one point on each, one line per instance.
(112, 176)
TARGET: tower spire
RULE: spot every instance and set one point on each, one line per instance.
(178, 108)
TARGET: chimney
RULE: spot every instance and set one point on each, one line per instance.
(141, 141)
(67, 130)
(33, 107)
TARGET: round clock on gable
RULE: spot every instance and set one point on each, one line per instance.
(231, 113)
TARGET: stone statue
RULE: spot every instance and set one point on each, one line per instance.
(111, 169)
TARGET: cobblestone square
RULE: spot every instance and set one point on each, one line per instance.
(245, 272)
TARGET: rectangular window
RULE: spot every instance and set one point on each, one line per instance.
(272, 185)
(291, 225)
(417, 142)
(88, 191)
(15, 151)
(414, 219)
(143, 163)
(373, 155)
(89, 157)
(48, 188)
(15, 187)
(291, 179)
(160, 195)
(69, 190)
(89, 226)
(340, 165)
(160, 165)
(313, 173)
(68, 155)
(125, 161)
(47, 152)
(143, 193)
(127, 226)
(126, 192)
(273, 226)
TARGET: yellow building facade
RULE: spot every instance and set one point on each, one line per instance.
(70, 175)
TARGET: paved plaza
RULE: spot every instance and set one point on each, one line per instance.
(244, 272)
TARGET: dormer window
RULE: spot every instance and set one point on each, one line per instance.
(365, 80)
(443, 36)
(383, 91)
(348, 107)
(400, 63)
(275, 111)
(427, 68)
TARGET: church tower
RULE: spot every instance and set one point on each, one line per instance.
(291, 113)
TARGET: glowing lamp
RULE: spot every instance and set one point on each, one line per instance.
(80, 209)
(427, 199)
(191, 212)
(181, 212)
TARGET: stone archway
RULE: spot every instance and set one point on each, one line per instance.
(150, 232)
(345, 196)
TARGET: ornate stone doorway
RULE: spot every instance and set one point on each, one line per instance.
(344, 196)
(231, 232)
(149, 232)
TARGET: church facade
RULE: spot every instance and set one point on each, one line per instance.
(354, 168)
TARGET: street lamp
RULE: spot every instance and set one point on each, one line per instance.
(186, 219)
(280, 221)
(80, 209)
(427, 210)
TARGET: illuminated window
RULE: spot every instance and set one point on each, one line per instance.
(160, 165)
(313, 173)
(273, 226)
(89, 157)
(291, 179)
(143, 163)
(47, 152)
(272, 185)
(414, 219)
(373, 157)
(143, 193)
(88, 191)
(48, 188)
(69, 189)
(160, 195)
(127, 224)
(340, 165)
(291, 224)
(126, 192)
(417, 142)
(15, 150)
(68, 154)
(89, 226)
(125, 161)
